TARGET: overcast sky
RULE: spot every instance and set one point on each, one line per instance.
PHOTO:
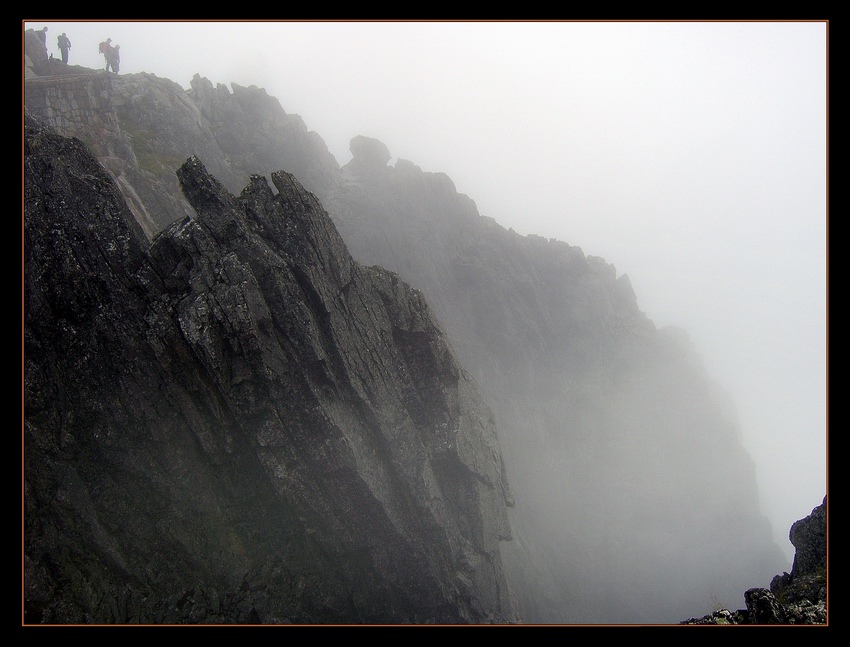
(691, 155)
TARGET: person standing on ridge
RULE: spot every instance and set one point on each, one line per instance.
(64, 46)
(104, 48)
(115, 58)
(110, 53)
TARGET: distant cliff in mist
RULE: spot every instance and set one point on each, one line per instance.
(454, 423)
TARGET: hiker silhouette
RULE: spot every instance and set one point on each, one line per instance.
(64, 45)
(111, 54)
(116, 58)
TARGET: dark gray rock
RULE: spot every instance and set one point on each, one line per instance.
(803, 591)
(240, 424)
(141, 128)
(763, 608)
(808, 536)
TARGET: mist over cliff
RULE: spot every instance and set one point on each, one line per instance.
(635, 497)
(481, 425)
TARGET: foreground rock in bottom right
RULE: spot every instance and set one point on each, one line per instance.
(796, 598)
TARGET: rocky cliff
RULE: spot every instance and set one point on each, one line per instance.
(240, 423)
(142, 127)
(635, 501)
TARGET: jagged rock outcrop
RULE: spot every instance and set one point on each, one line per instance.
(35, 52)
(796, 598)
(808, 536)
(258, 136)
(369, 151)
(142, 127)
(240, 424)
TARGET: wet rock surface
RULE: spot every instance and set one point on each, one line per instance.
(239, 423)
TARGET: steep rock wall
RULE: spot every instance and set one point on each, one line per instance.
(241, 424)
(636, 501)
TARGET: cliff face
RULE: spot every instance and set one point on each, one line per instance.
(141, 128)
(240, 423)
(635, 499)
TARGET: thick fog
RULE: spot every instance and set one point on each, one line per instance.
(691, 155)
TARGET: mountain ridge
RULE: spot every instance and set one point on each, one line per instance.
(553, 337)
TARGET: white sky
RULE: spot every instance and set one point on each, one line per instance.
(691, 155)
